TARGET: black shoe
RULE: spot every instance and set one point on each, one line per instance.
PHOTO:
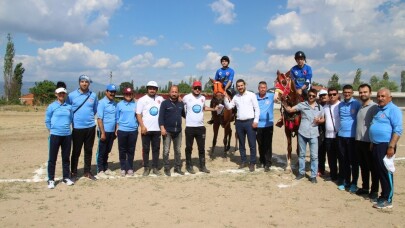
(313, 180)
(242, 165)
(299, 177)
(73, 177)
(90, 176)
(178, 171)
(167, 172)
(267, 168)
(361, 191)
(252, 167)
(204, 170)
(210, 121)
(146, 172)
(373, 195)
(156, 172)
(190, 170)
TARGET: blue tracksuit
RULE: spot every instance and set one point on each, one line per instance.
(225, 74)
(266, 106)
(301, 75)
(83, 117)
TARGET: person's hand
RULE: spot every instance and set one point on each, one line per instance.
(254, 125)
(163, 132)
(390, 152)
(216, 108)
(116, 133)
(299, 91)
(102, 137)
(144, 130)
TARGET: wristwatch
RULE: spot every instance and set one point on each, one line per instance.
(391, 146)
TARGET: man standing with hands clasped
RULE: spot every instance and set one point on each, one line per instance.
(247, 119)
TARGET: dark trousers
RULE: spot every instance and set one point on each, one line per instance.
(104, 148)
(65, 143)
(386, 178)
(348, 164)
(126, 147)
(152, 138)
(82, 137)
(244, 128)
(332, 150)
(197, 133)
(365, 158)
(321, 154)
(264, 139)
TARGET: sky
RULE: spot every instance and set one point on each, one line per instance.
(162, 40)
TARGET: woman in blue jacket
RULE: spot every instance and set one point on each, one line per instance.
(58, 120)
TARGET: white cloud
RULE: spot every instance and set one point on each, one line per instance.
(176, 65)
(373, 56)
(247, 48)
(162, 63)
(207, 47)
(224, 9)
(211, 62)
(274, 63)
(187, 46)
(145, 41)
(74, 21)
(138, 61)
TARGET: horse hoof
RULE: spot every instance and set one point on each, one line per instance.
(287, 170)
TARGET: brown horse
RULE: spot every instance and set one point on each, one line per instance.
(223, 118)
(286, 92)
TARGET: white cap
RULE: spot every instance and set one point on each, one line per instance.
(389, 163)
(152, 83)
(61, 90)
(322, 92)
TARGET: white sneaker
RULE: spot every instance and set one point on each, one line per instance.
(109, 172)
(51, 184)
(102, 175)
(130, 173)
(123, 173)
(68, 182)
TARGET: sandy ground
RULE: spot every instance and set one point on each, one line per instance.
(225, 198)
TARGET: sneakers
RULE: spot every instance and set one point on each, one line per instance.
(204, 170)
(252, 167)
(267, 168)
(353, 188)
(51, 184)
(123, 173)
(68, 182)
(243, 165)
(313, 180)
(102, 175)
(383, 205)
(109, 172)
(361, 191)
(167, 172)
(89, 176)
(130, 173)
(146, 171)
(156, 172)
(73, 177)
(299, 177)
(190, 170)
(373, 195)
(178, 171)
(342, 187)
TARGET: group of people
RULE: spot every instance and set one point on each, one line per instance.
(353, 133)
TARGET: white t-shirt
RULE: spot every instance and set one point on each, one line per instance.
(194, 110)
(149, 108)
(330, 132)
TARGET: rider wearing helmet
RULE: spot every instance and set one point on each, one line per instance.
(301, 73)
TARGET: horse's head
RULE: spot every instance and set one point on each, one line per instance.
(217, 87)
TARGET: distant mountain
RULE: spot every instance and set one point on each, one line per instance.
(71, 85)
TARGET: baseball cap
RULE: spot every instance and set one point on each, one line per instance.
(197, 83)
(84, 77)
(389, 163)
(111, 87)
(322, 92)
(152, 83)
(127, 91)
(60, 90)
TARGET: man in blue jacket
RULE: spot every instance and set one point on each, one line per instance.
(171, 111)
(84, 106)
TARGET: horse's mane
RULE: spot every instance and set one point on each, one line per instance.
(285, 86)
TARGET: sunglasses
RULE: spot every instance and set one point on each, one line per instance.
(197, 88)
(311, 96)
(332, 94)
(112, 91)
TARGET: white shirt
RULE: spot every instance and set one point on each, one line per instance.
(330, 132)
(149, 108)
(247, 106)
(194, 108)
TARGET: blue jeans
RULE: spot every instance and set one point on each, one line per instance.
(313, 151)
(126, 147)
(244, 128)
(176, 138)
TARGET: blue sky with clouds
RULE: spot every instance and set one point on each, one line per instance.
(166, 40)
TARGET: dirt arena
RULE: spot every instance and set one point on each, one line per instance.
(227, 197)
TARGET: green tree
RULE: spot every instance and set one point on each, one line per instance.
(8, 67)
(124, 85)
(403, 81)
(314, 83)
(208, 87)
(334, 82)
(16, 83)
(357, 79)
(44, 92)
(142, 90)
(184, 87)
(387, 83)
(374, 83)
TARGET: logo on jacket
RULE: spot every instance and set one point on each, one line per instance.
(197, 108)
(153, 111)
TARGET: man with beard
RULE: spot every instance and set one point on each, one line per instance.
(171, 111)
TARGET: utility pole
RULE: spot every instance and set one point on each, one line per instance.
(110, 77)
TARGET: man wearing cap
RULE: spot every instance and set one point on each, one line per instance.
(106, 130)
(247, 120)
(195, 105)
(385, 130)
(84, 105)
(147, 114)
(322, 100)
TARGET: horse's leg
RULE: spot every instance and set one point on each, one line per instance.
(289, 149)
(214, 139)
